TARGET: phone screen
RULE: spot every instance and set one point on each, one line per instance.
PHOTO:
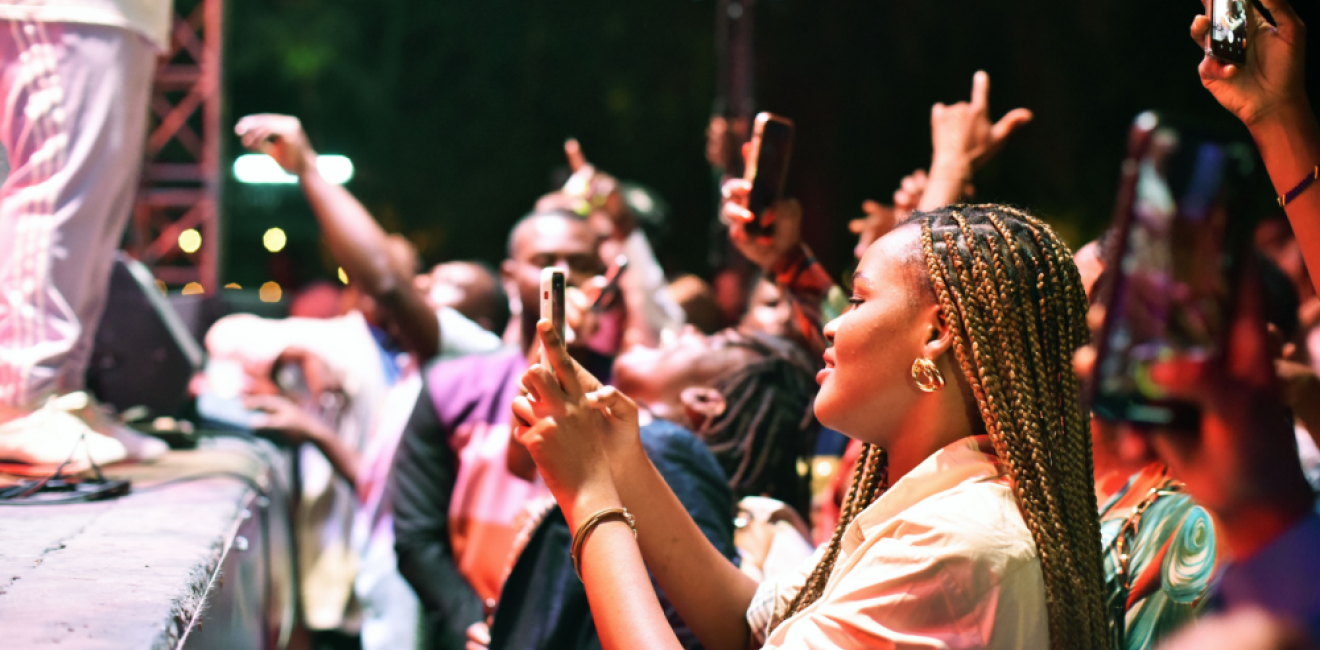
(1228, 29)
(767, 169)
(1175, 272)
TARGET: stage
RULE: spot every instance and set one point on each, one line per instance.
(196, 557)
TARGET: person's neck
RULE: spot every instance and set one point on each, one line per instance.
(927, 430)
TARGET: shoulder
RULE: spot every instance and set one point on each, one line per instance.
(677, 452)
(970, 539)
(475, 383)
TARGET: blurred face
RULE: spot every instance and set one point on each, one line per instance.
(550, 241)
(455, 285)
(768, 311)
(656, 377)
(867, 388)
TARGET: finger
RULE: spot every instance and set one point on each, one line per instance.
(856, 226)
(1200, 28)
(1009, 123)
(746, 152)
(479, 633)
(737, 214)
(543, 389)
(872, 207)
(523, 412)
(1214, 69)
(980, 91)
(735, 189)
(573, 151)
(609, 398)
(559, 360)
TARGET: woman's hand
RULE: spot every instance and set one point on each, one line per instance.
(1271, 82)
(564, 434)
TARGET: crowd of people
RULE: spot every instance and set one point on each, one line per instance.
(471, 478)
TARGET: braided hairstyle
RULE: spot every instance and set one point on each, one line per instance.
(768, 425)
(1012, 295)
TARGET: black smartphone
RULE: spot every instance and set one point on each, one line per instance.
(767, 167)
(553, 283)
(1228, 30)
(611, 289)
(1173, 265)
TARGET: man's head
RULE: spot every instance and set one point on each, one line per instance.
(471, 289)
(544, 240)
(747, 395)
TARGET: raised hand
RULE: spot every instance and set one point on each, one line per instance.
(785, 217)
(279, 136)
(1272, 79)
(879, 219)
(963, 131)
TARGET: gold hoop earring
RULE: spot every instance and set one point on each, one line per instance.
(926, 375)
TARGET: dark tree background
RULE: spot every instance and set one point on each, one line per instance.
(454, 113)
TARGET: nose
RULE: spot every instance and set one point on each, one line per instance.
(831, 328)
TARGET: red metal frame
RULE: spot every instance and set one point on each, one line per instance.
(180, 186)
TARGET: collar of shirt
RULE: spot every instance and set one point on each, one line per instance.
(967, 459)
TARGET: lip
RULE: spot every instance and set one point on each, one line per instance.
(823, 374)
(829, 358)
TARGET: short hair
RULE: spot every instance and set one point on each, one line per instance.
(768, 426)
(531, 216)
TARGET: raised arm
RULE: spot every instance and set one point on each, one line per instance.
(590, 455)
(1268, 93)
(357, 242)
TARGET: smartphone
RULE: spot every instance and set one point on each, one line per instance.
(1228, 30)
(767, 166)
(611, 289)
(1173, 267)
(553, 282)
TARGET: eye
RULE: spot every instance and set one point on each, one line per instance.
(854, 302)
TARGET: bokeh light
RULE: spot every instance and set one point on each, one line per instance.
(233, 285)
(270, 292)
(190, 240)
(193, 289)
(343, 277)
(274, 240)
(824, 468)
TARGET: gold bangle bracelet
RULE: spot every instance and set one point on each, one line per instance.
(580, 537)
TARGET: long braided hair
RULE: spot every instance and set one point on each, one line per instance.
(768, 427)
(1009, 289)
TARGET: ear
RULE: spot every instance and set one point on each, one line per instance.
(508, 272)
(939, 337)
(702, 403)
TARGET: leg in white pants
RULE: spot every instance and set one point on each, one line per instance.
(73, 122)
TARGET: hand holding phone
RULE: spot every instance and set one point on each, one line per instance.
(770, 149)
(1174, 264)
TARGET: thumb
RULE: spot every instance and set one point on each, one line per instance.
(610, 398)
(1006, 125)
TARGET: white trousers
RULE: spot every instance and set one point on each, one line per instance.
(73, 123)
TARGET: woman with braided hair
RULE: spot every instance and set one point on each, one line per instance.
(971, 521)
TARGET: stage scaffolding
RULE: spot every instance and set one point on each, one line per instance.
(180, 186)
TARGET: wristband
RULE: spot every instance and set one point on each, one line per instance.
(1285, 199)
(580, 537)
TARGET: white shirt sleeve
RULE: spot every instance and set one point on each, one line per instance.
(460, 337)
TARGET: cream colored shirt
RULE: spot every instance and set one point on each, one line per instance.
(941, 560)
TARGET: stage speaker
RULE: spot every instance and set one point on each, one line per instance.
(144, 353)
